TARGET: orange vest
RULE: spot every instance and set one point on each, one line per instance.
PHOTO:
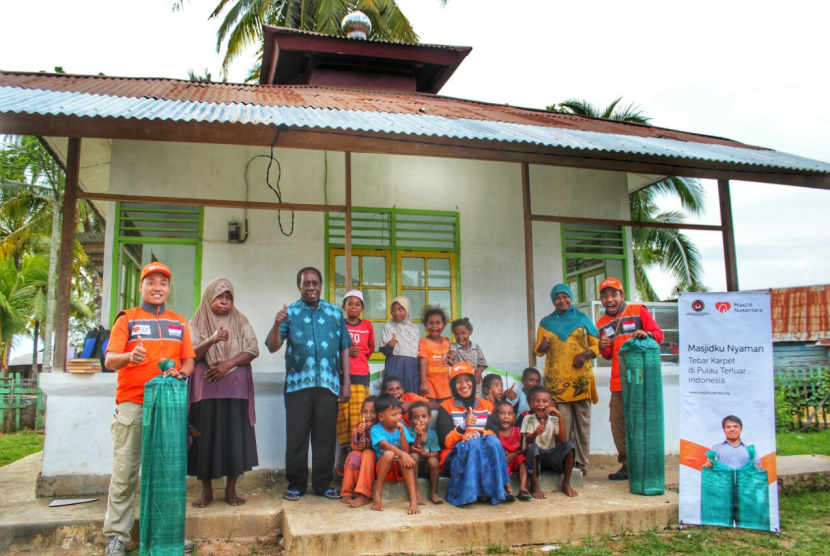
(482, 411)
(164, 335)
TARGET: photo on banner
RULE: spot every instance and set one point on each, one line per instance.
(727, 411)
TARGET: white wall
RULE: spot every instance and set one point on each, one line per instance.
(487, 195)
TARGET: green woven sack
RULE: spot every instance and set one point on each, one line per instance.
(163, 467)
(751, 495)
(717, 493)
(642, 390)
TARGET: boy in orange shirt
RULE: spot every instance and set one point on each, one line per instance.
(141, 339)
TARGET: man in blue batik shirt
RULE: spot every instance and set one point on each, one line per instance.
(317, 377)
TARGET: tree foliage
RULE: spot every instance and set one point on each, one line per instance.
(669, 249)
(31, 186)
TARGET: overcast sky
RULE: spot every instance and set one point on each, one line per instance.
(751, 71)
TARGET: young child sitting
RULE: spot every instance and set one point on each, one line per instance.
(465, 350)
(393, 386)
(390, 440)
(492, 388)
(511, 440)
(359, 471)
(531, 378)
(426, 447)
(546, 442)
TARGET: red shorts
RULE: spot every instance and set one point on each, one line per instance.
(513, 466)
(395, 472)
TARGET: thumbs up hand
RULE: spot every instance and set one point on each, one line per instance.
(138, 353)
(510, 393)
(394, 341)
(222, 335)
(471, 418)
(282, 315)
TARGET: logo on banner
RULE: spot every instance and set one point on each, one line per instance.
(698, 305)
(722, 306)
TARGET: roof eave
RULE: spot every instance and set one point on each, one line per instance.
(381, 143)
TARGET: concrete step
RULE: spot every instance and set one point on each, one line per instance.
(548, 482)
(603, 507)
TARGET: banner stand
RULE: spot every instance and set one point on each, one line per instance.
(728, 475)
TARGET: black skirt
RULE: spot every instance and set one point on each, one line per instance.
(226, 444)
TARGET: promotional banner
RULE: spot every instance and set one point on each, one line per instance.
(727, 411)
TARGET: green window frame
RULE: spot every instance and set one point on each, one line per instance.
(398, 235)
(151, 224)
(590, 247)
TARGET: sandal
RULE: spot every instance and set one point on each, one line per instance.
(291, 495)
(525, 496)
(332, 494)
(509, 497)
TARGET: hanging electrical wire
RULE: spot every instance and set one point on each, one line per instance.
(275, 188)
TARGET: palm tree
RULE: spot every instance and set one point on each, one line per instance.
(18, 293)
(243, 21)
(669, 249)
(31, 190)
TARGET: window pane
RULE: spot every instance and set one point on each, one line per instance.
(340, 270)
(443, 299)
(378, 328)
(374, 271)
(418, 299)
(589, 289)
(666, 317)
(412, 273)
(670, 348)
(574, 285)
(374, 304)
(338, 296)
(439, 273)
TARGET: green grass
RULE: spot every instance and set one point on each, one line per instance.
(797, 443)
(497, 548)
(18, 445)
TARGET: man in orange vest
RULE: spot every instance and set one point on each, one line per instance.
(141, 338)
(620, 323)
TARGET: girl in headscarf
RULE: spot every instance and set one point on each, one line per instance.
(221, 394)
(569, 340)
(471, 454)
(399, 343)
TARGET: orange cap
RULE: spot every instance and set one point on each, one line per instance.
(155, 267)
(611, 283)
(461, 368)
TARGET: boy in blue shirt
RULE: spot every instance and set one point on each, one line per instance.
(390, 440)
(425, 446)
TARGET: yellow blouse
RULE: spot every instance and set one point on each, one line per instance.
(566, 382)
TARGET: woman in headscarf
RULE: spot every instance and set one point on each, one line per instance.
(569, 340)
(399, 343)
(471, 454)
(221, 395)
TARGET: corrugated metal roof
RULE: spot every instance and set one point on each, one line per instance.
(309, 107)
(801, 314)
(311, 96)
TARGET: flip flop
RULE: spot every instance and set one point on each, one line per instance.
(332, 494)
(509, 497)
(525, 496)
(291, 495)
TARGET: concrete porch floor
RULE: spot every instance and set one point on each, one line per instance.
(318, 526)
